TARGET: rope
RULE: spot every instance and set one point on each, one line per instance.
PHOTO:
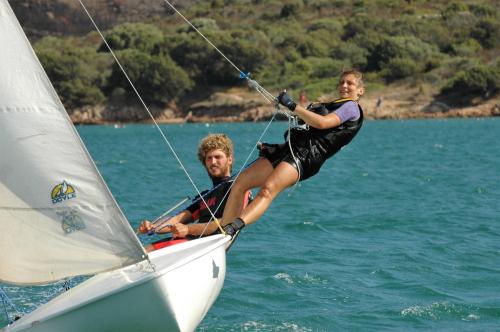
(144, 105)
(160, 221)
(6, 301)
(252, 83)
(239, 172)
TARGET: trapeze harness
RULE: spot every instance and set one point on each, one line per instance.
(312, 147)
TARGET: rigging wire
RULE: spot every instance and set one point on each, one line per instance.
(261, 90)
(239, 172)
(252, 83)
(144, 104)
(7, 302)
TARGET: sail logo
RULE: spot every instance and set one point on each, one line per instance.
(70, 221)
(62, 192)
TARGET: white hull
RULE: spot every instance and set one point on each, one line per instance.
(175, 296)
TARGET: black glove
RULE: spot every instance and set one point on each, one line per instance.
(266, 149)
(234, 227)
(285, 100)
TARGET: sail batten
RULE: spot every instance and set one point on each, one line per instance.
(57, 216)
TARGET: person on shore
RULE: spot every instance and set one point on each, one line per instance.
(216, 154)
(329, 127)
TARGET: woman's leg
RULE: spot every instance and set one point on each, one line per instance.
(283, 176)
(253, 177)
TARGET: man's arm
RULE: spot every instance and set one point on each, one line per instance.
(160, 227)
(203, 228)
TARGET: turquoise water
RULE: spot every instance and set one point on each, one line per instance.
(398, 232)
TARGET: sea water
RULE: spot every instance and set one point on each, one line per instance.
(400, 231)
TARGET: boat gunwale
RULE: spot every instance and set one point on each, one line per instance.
(142, 279)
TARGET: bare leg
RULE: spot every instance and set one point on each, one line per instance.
(254, 176)
(283, 176)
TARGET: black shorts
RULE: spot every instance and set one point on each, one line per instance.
(306, 158)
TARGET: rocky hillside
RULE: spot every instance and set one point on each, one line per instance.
(298, 51)
(66, 17)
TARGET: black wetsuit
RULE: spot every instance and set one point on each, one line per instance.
(312, 147)
(199, 210)
(218, 192)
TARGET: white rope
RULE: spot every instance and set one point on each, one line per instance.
(239, 172)
(145, 106)
(7, 301)
(252, 83)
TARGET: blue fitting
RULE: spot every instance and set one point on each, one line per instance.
(244, 76)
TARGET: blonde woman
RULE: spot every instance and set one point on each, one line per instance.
(330, 126)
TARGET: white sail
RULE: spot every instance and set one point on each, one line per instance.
(57, 217)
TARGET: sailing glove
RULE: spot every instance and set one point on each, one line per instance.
(285, 100)
(234, 227)
(266, 149)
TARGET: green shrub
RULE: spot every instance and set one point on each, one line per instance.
(468, 48)
(482, 10)
(157, 79)
(352, 54)
(398, 68)
(144, 37)
(328, 25)
(203, 24)
(486, 32)
(318, 88)
(303, 43)
(410, 50)
(73, 71)
(247, 49)
(453, 9)
(292, 8)
(325, 67)
(478, 79)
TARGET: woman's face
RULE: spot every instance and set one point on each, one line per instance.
(350, 88)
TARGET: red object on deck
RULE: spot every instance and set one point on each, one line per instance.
(167, 243)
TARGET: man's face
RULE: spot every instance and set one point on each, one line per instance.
(218, 165)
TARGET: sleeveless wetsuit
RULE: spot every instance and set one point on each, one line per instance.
(312, 147)
(199, 210)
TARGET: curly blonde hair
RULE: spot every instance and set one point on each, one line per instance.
(213, 142)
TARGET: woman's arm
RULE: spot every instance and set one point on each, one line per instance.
(317, 121)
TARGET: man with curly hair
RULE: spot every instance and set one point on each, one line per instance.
(216, 154)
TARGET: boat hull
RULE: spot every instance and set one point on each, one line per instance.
(172, 291)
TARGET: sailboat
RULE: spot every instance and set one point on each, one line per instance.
(58, 220)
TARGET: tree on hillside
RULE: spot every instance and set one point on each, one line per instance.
(399, 57)
(246, 49)
(474, 80)
(140, 36)
(157, 78)
(74, 71)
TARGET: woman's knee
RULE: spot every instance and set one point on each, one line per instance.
(267, 190)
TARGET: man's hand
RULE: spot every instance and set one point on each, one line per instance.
(180, 230)
(145, 227)
(287, 101)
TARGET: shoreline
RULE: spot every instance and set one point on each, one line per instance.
(222, 113)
